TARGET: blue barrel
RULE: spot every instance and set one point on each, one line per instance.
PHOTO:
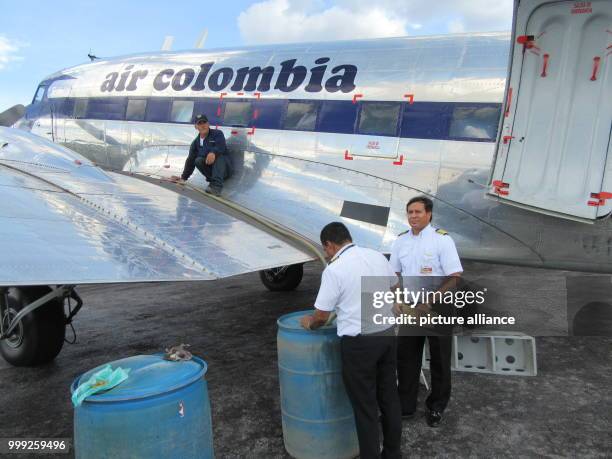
(161, 411)
(318, 420)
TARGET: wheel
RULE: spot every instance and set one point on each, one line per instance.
(282, 279)
(39, 336)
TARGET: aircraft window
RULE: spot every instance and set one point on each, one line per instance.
(182, 110)
(66, 107)
(337, 116)
(157, 110)
(237, 114)
(40, 92)
(301, 116)
(208, 107)
(136, 109)
(475, 122)
(106, 108)
(379, 118)
(425, 120)
(80, 108)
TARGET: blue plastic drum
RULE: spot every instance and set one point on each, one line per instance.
(318, 420)
(161, 411)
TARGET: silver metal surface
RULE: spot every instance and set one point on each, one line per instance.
(68, 223)
(301, 179)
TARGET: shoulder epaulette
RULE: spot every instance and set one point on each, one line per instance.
(442, 232)
(402, 233)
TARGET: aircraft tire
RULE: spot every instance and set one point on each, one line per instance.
(39, 337)
(279, 280)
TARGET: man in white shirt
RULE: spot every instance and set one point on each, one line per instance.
(425, 251)
(368, 361)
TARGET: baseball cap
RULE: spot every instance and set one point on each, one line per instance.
(201, 119)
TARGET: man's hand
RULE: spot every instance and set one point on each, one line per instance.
(210, 158)
(177, 179)
(306, 322)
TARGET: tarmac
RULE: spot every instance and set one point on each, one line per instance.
(564, 411)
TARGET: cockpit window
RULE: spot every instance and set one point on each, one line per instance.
(40, 92)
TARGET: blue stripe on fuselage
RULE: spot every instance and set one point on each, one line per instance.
(469, 121)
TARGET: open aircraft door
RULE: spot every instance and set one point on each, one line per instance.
(553, 151)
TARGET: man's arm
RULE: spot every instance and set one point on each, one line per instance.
(316, 320)
(190, 161)
(327, 299)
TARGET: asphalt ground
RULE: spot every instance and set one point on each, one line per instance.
(564, 411)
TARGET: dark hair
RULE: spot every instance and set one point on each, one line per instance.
(335, 232)
(428, 203)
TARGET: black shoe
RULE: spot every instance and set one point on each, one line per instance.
(434, 418)
(214, 190)
(407, 416)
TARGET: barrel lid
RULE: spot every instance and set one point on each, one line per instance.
(292, 322)
(149, 375)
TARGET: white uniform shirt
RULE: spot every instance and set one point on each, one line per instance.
(430, 253)
(341, 285)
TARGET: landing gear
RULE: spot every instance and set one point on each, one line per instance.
(282, 279)
(33, 323)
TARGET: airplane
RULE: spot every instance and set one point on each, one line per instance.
(508, 133)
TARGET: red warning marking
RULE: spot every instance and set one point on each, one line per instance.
(508, 102)
(524, 39)
(400, 162)
(240, 94)
(347, 156)
(257, 94)
(222, 95)
(234, 132)
(596, 61)
(356, 96)
(410, 98)
(601, 198)
(545, 65)
(507, 138)
(252, 131)
(498, 185)
(581, 8)
(219, 110)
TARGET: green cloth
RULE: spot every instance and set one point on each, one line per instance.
(102, 380)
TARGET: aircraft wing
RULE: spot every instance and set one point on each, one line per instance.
(65, 221)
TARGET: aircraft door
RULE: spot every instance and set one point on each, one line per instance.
(552, 151)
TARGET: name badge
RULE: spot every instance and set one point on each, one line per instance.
(426, 269)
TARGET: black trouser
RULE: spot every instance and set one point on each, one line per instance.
(369, 374)
(217, 171)
(409, 358)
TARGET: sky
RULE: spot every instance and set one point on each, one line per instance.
(38, 38)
